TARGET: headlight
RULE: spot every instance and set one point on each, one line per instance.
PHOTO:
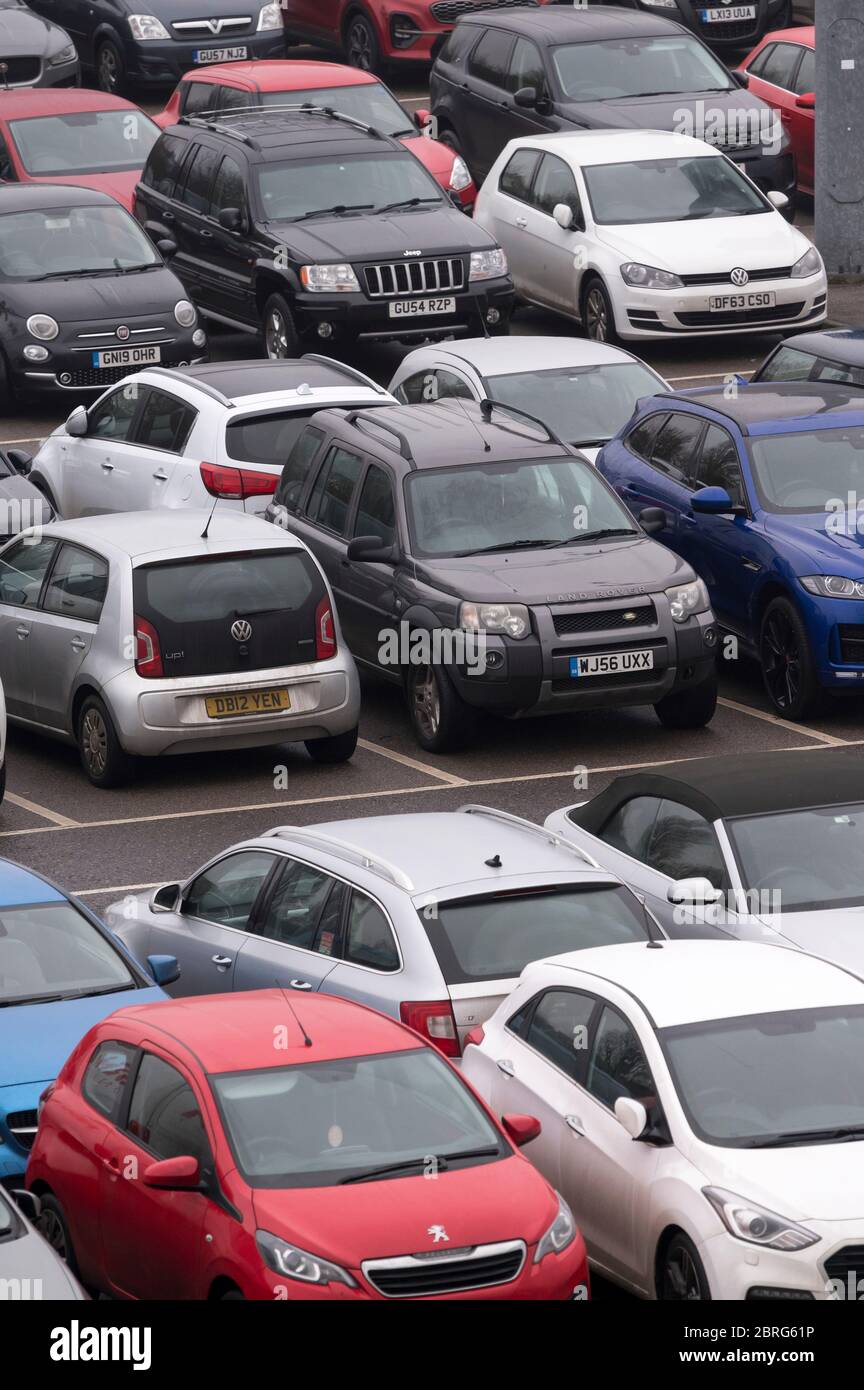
(648, 277)
(65, 55)
(298, 1264)
(324, 278)
(511, 618)
(809, 264)
(833, 586)
(685, 599)
(488, 265)
(460, 176)
(185, 313)
(758, 1226)
(561, 1233)
(147, 26)
(270, 17)
(42, 326)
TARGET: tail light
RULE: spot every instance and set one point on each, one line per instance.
(433, 1021)
(325, 631)
(237, 482)
(475, 1037)
(148, 657)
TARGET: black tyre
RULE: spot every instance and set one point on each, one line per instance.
(598, 319)
(336, 749)
(441, 721)
(43, 487)
(362, 49)
(110, 68)
(102, 757)
(681, 1274)
(54, 1227)
(7, 395)
(691, 708)
(2, 780)
(277, 326)
(233, 1296)
(788, 669)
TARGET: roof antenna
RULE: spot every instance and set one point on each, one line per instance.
(203, 536)
(487, 447)
(307, 1041)
(654, 942)
(494, 862)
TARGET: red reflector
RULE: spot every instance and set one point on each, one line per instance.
(325, 631)
(475, 1037)
(434, 1022)
(148, 657)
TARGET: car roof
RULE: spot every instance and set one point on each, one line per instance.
(246, 379)
(841, 344)
(688, 981)
(587, 147)
(804, 33)
(235, 1032)
(576, 24)
(501, 355)
(18, 887)
(765, 407)
(284, 74)
(23, 197)
(173, 529)
(752, 785)
(57, 101)
(268, 130)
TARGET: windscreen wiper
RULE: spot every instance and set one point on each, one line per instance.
(594, 535)
(841, 1134)
(407, 203)
(335, 211)
(442, 1162)
(528, 543)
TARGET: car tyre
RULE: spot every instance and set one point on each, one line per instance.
(788, 668)
(362, 49)
(598, 318)
(681, 1275)
(690, 708)
(440, 719)
(103, 758)
(39, 482)
(7, 394)
(2, 780)
(110, 68)
(281, 339)
(53, 1227)
(338, 748)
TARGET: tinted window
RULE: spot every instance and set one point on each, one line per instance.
(266, 438)
(641, 440)
(112, 417)
(229, 190)
(199, 96)
(629, 828)
(164, 1114)
(780, 65)
(165, 423)
(458, 43)
(555, 184)
(488, 62)
(164, 163)
(559, 1029)
(618, 1066)
(78, 585)
(296, 469)
(683, 845)
(525, 68)
(199, 179)
(330, 501)
(376, 515)
(226, 892)
(369, 939)
(674, 451)
(22, 571)
(805, 78)
(106, 1076)
(718, 464)
(761, 59)
(518, 173)
(295, 906)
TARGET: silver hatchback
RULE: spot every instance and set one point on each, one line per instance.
(172, 632)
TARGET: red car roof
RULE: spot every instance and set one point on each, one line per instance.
(283, 74)
(58, 101)
(238, 1032)
(805, 34)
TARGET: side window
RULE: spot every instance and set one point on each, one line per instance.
(436, 384)
(164, 1114)
(788, 364)
(107, 1075)
(559, 1029)
(719, 465)
(629, 828)
(112, 417)
(164, 163)
(838, 371)
(199, 179)
(525, 68)
(330, 501)
(805, 78)
(517, 174)
(618, 1066)
(780, 65)
(449, 386)
(165, 423)
(488, 62)
(761, 59)
(226, 892)
(675, 448)
(640, 441)
(369, 937)
(7, 168)
(296, 469)
(457, 44)
(199, 96)
(683, 845)
(376, 514)
(229, 190)
(416, 389)
(233, 98)
(22, 572)
(295, 906)
(78, 585)
(555, 184)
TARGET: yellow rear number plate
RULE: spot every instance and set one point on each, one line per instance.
(247, 702)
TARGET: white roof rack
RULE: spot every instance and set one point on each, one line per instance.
(344, 849)
(522, 824)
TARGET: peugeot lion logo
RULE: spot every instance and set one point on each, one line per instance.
(241, 631)
(438, 1234)
(739, 277)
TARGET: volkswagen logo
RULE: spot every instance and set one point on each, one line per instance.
(739, 277)
(122, 332)
(241, 631)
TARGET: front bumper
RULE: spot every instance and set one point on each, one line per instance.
(836, 628)
(738, 1270)
(345, 316)
(18, 1105)
(69, 365)
(38, 72)
(643, 313)
(160, 61)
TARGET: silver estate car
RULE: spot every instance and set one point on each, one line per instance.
(427, 917)
(147, 633)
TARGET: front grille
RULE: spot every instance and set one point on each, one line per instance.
(852, 644)
(448, 11)
(22, 1126)
(191, 28)
(425, 1276)
(21, 70)
(605, 620)
(775, 273)
(414, 277)
(849, 1260)
(780, 312)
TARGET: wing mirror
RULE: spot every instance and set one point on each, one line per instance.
(422, 117)
(372, 548)
(631, 1116)
(181, 1174)
(167, 247)
(20, 460)
(526, 97)
(741, 77)
(806, 101)
(563, 216)
(164, 969)
(76, 424)
(231, 219)
(521, 1128)
(166, 899)
(715, 501)
(777, 200)
(693, 892)
(652, 520)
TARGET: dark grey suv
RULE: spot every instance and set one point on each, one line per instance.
(487, 566)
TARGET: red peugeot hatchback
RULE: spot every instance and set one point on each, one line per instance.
(254, 1146)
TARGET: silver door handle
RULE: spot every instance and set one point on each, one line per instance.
(221, 961)
(78, 644)
(299, 984)
(507, 1067)
(575, 1124)
(161, 477)
(22, 632)
(521, 221)
(109, 467)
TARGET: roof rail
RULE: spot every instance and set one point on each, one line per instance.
(203, 386)
(281, 108)
(217, 125)
(343, 367)
(487, 406)
(359, 418)
(521, 823)
(344, 849)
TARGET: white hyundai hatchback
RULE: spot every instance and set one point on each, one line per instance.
(648, 234)
(702, 1111)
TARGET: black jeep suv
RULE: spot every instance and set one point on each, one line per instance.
(486, 566)
(305, 223)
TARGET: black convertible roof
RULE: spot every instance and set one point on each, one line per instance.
(720, 788)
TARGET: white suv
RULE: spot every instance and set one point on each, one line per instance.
(181, 438)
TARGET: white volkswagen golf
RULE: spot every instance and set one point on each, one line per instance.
(648, 234)
(702, 1111)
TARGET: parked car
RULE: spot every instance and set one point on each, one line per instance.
(707, 1129)
(755, 487)
(782, 71)
(235, 639)
(29, 1266)
(2, 743)
(191, 434)
(87, 139)
(770, 832)
(307, 223)
(84, 295)
(229, 86)
(308, 1166)
(491, 570)
(61, 971)
(515, 74)
(35, 51)
(427, 917)
(583, 391)
(724, 25)
(610, 229)
(836, 355)
(22, 504)
(123, 47)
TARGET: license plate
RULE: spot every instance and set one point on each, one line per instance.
(126, 357)
(413, 307)
(611, 663)
(220, 55)
(723, 303)
(728, 15)
(247, 702)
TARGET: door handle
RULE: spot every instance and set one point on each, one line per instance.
(573, 1122)
(521, 222)
(507, 1067)
(22, 632)
(109, 467)
(167, 217)
(78, 644)
(299, 984)
(160, 476)
(204, 233)
(222, 961)
(111, 1163)
(688, 518)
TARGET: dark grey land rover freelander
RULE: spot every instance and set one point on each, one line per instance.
(455, 519)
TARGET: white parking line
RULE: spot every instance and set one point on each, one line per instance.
(42, 811)
(784, 723)
(31, 439)
(427, 771)
(120, 888)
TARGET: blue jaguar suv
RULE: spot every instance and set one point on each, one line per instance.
(763, 490)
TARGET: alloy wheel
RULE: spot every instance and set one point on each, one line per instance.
(51, 1228)
(360, 46)
(94, 742)
(596, 317)
(276, 335)
(108, 73)
(781, 659)
(681, 1277)
(427, 702)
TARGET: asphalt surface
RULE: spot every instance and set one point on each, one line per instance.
(180, 811)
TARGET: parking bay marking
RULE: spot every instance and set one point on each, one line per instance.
(830, 739)
(402, 758)
(63, 821)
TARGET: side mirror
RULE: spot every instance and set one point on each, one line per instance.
(167, 247)
(422, 117)
(652, 520)
(173, 1174)
(164, 969)
(526, 97)
(563, 216)
(777, 200)
(712, 501)
(631, 1116)
(231, 219)
(741, 77)
(806, 101)
(166, 899)
(371, 548)
(521, 1128)
(20, 460)
(28, 1203)
(76, 424)
(693, 892)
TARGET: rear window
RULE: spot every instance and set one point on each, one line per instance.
(266, 438)
(494, 937)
